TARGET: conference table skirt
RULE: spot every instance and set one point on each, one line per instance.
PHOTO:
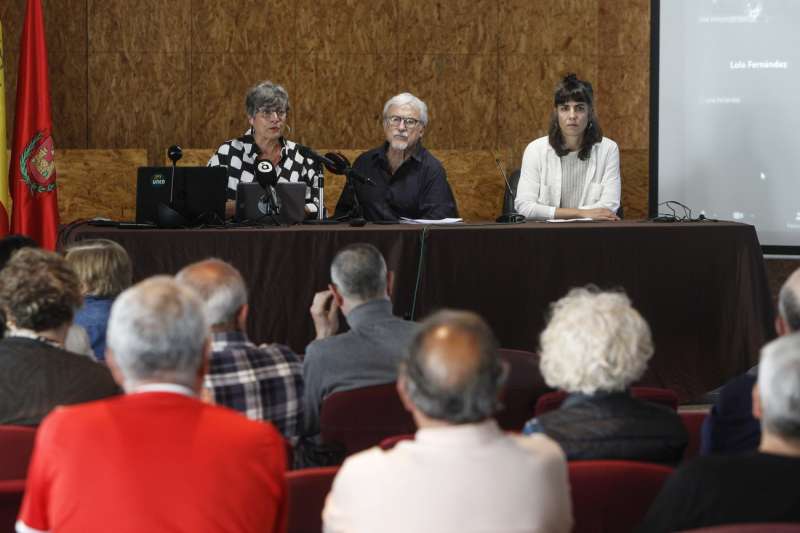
(701, 286)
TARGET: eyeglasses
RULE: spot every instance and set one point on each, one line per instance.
(267, 113)
(409, 122)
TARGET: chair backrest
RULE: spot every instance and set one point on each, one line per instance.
(610, 496)
(307, 491)
(11, 492)
(693, 422)
(524, 385)
(363, 417)
(553, 400)
(749, 528)
(16, 443)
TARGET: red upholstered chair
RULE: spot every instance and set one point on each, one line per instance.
(749, 528)
(611, 496)
(524, 385)
(11, 491)
(307, 491)
(361, 418)
(693, 422)
(389, 442)
(553, 400)
(16, 443)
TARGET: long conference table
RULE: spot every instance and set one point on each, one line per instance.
(701, 285)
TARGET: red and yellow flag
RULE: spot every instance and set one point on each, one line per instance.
(33, 171)
(5, 198)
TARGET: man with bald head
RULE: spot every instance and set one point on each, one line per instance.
(730, 426)
(263, 382)
(462, 472)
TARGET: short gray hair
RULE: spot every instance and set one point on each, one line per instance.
(789, 302)
(779, 386)
(359, 272)
(157, 331)
(469, 397)
(220, 287)
(594, 341)
(407, 99)
(266, 96)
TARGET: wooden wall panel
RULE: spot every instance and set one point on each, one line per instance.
(340, 98)
(140, 26)
(462, 114)
(97, 183)
(346, 26)
(566, 27)
(635, 182)
(244, 26)
(452, 27)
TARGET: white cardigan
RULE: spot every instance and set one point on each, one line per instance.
(539, 188)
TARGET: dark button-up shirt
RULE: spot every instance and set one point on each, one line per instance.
(418, 189)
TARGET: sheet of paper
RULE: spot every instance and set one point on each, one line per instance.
(404, 220)
(569, 220)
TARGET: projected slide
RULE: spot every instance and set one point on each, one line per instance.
(729, 112)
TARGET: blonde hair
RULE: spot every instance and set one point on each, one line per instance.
(103, 267)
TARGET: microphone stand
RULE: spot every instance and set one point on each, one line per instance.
(356, 213)
(509, 214)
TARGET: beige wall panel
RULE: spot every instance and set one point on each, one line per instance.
(346, 26)
(244, 26)
(192, 157)
(139, 26)
(634, 165)
(68, 98)
(65, 25)
(541, 28)
(624, 86)
(449, 27)
(625, 27)
(97, 183)
(342, 98)
(461, 93)
(475, 181)
(219, 83)
(138, 100)
(526, 90)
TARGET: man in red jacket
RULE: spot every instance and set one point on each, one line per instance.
(157, 458)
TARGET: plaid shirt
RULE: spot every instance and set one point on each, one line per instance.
(240, 155)
(263, 382)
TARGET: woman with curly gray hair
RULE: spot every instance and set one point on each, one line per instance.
(594, 347)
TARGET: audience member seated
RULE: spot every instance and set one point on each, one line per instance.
(104, 268)
(758, 486)
(39, 293)
(462, 473)
(370, 352)
(594, 347)
(263, 382)
(156, 458)
(730, 426)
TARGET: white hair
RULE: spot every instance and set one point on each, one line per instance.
(779, 386)
(359, 271)
(157, 332)
(220, 287)
(594, 341)
(407, 99)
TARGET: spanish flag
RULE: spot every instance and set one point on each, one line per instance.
(33, 170)
(5, 199)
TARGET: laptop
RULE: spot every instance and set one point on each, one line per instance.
(195, 196)
(253, 204)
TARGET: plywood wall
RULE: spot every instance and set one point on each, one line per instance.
(151, 73)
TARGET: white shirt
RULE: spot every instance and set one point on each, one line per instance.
(462, 478)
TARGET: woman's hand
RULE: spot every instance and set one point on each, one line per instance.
(599, 213)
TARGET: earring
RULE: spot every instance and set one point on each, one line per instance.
(288, 128)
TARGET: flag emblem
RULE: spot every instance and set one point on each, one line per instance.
(37, 163)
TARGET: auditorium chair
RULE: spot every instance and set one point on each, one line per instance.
(524, 384)
(612, 496)
(553, 400)
(693, 422)
(307, 490)
(363, 417)
(16, 443)
(765, 527)
(11, 491)
(390, 442)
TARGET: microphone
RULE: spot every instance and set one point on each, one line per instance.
(267, 177)
(341, 165)
(511, 217)
(175, 153)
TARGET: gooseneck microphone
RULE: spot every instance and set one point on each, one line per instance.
(267, 177)
(509, 215)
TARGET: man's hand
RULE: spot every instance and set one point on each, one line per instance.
(325, 313)
(599, 213)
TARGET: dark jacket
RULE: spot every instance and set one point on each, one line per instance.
(615, 426)
(36, 377)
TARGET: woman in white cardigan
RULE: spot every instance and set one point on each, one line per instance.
(574, 171)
